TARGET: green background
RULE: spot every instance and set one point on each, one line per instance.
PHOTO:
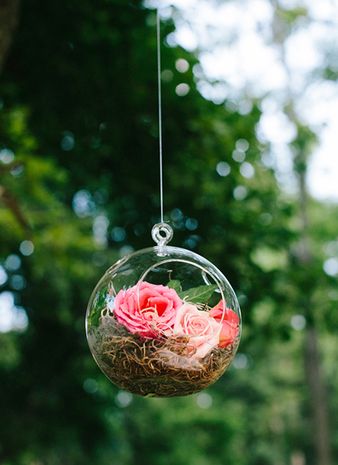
(79, 113)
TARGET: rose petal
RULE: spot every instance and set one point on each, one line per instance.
(203, 330)
(147, 309)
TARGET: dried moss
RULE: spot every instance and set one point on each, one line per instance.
(151, 367)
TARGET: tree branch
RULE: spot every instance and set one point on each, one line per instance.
(11, 203)
(9, 12)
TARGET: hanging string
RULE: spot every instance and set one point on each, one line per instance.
(160, 142)
(162, 233)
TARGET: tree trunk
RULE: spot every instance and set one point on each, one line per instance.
(318, 398)
(312, 360)
(9, 10)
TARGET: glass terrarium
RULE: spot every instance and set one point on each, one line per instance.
(163, 322)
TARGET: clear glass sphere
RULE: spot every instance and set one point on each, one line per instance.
(163, 322)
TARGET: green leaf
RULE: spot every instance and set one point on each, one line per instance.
(198, 295)
(94, 318)
(175, 284)
(100, 303)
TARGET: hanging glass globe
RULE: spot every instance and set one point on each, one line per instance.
(163, 321)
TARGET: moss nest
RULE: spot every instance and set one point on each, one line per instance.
(163, 367)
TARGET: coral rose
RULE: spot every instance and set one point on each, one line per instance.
(147, 309)
(230, 324)
(203, 330)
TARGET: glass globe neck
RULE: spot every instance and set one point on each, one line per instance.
(162, 234)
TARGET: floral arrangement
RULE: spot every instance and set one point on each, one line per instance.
(159, 340)
(152, 311)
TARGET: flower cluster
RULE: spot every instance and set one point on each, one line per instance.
(151, 311)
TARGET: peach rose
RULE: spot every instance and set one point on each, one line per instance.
(230, 324)
(203, 330)
(147, 309)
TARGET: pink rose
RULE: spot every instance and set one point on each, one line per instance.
(147, 309)
(230, 324)
(203, 330)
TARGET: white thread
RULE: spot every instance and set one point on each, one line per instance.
(158, 30)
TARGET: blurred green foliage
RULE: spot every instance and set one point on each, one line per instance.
(79, 115)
